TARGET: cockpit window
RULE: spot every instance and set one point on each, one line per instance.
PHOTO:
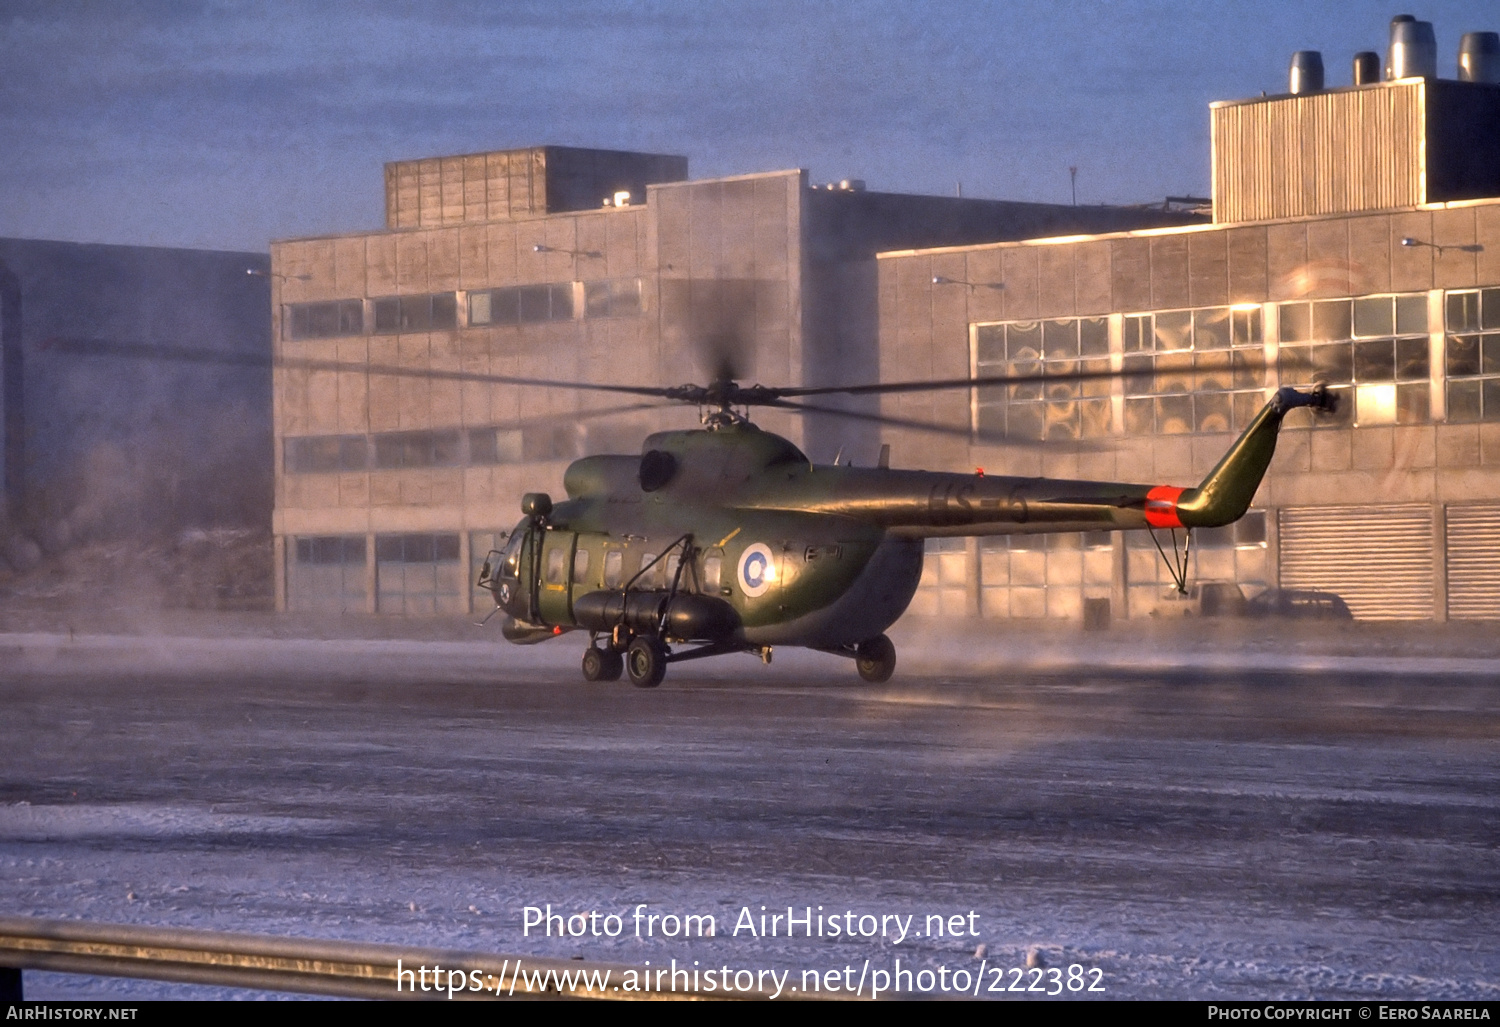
(510, 559)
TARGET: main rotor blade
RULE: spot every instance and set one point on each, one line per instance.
(574, 416)
(720, 393)
(195, 355)
(990, 381)
(952, 430)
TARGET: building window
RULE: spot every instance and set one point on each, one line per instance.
(1200, 370)
(494, 446)
(1059, 410)
(433, 312)
(1372, 350)
(1472, 359)
(522, 304)
(326, 573)
(408, 449)
(323, 320)
(323, 453)
(1033, 576)
(419, 574)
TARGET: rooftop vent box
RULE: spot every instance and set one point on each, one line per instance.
(506, 184)
(1379, 146)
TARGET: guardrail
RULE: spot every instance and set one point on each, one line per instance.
(343, 968)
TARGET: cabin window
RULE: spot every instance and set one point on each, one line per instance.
(557, 563)
(580, 566)
(652, 576)
(712, 574)
(614, 568)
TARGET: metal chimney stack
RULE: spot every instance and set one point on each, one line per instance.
(1366, 68)
(1306, 75)
(1479, 57)
(1413, 52)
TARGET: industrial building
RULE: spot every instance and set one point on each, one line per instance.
(562, 264)
(1356, 242)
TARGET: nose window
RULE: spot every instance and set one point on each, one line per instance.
(511, 558)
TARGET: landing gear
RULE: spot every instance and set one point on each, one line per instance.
(646, 662)
(602, 664)
(876, 659)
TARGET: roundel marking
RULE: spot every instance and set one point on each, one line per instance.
(757, 570)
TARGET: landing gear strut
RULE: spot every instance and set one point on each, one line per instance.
(876, 659)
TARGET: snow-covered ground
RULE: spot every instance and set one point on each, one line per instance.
(1194, 816)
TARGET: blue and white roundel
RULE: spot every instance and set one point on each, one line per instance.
(757, 570)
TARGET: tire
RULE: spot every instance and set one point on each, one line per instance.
(646, 662)
(876, 659)
(595, 664)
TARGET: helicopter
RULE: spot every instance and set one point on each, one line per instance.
(728, 539)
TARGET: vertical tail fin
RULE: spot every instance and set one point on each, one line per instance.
(1225, 494)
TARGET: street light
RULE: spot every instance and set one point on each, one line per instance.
(258, 273)
(1471, 248)
(544, 248)
(944, 280)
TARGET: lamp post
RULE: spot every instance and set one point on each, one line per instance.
(256, 272)
(1408, 241)
(944, 280)
(575, 254)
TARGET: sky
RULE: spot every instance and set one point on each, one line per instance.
(223, 125)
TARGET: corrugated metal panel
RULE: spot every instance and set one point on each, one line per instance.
(1319, 153)
(474, 187)
(1474, 562)
(1379, 558)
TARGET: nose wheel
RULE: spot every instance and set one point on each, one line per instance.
(876, 659)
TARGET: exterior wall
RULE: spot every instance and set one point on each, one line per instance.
(1416, 442)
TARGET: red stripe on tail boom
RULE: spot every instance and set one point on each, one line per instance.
(1161, 507)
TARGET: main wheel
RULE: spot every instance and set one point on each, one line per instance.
(646, 662)
(602, 664)
(876, 659)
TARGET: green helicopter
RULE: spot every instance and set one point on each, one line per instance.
(728, 539)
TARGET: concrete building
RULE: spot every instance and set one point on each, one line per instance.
(106, 441)
(1356, 242)
(569, 265)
